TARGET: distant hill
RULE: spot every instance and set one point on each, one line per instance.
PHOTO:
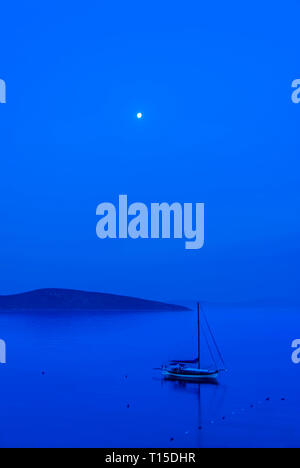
(65, 299)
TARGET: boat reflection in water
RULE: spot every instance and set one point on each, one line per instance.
(209, 401)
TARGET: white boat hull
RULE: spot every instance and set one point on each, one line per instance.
(194, 375)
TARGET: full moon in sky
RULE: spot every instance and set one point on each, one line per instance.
(139, 115)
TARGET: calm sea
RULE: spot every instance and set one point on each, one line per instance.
(87, 380)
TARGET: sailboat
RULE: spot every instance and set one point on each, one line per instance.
(192, 370)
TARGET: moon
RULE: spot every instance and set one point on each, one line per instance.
(139, 115)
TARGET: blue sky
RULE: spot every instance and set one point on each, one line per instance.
(214, 85)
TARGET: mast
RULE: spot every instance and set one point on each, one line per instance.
(198, 307)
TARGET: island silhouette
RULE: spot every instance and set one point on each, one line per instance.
(68, 299)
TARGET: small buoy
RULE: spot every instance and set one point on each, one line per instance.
(128, 406)
(171, 439)
(200, 428)
(251, 406)
(282, 399)
(126, 376)
(223, 418)
(43, 372)
(268, 399)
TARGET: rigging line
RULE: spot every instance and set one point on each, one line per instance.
(214, 341)
(213, 338)
(208, 345)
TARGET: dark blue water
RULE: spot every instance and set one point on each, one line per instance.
(100, 390)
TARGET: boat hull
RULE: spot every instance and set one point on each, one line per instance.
(190, 376)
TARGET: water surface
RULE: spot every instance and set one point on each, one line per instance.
(87, 380)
